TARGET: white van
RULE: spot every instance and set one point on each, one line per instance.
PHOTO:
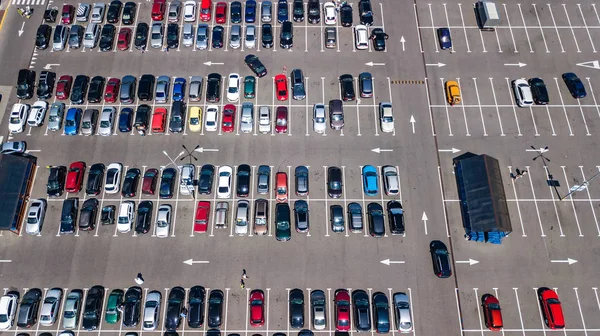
(90, 38)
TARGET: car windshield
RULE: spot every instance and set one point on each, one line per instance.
(69, 314)
(337, 117)
(103, 123)
(172, 35)
(335, 185)
(281, 122)
(155, 36)
(388, 119)
(123, 220)
(15, 120)
(161, 224)
(194, 121)
(232, 89)
(249, 37)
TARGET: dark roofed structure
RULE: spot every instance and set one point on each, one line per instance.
(16, 178)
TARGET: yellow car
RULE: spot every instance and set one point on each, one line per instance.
(452, 92)
(195, 119)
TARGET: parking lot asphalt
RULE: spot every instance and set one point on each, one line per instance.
(549, 226)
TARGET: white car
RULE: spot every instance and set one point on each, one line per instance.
(264, 119)
(250, 40)
(329, 13)
(361, 35)
(522, 92)
(113, 178)
(247, 118)
(35, 216)
(211, 116)
(319, 118)
(106, 121)
(224, 188)
(51, 307)
(233, 87)
(8, 309)
(37, 114)
(151, 311)
(391, 182)
(189, 11)
(241, 221)
(163, 221)
(18, 116)
(386, 117)
(125, 219)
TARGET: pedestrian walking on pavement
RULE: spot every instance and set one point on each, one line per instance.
(244, 275)
(139, 279)
(242, 284)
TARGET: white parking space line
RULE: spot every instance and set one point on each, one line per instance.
(478, 310)
(593, 95)
(330, 316)
(288, 311)
(445, 212)
(326, 208)
(162, 168)
(345, 196)
(357, 107)
(497, 109)
(460, 322)
(462, 104)
(537, 209)
(587, 130)
(417, 26)
(540, 25)
(517, 201)
(563, 106)
(571, 199)
(306, 109)
(556, 28)
(447, 114)
(519, 309)
(479, 104)
(580, 311)
(597, 298)
(271, 207)
(214, 203)
(62, 309)
(571, 26)
(525, 27)
(515, 111)
(553, 201)
(433, 28)
(139, 199)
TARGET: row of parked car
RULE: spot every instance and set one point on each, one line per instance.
(131, 308)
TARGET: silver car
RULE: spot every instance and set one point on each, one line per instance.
(51, 307)
(163, 221)
(57, 111)
(188, 35)
(35, 217)
(163, 85)
(402, 313)
(319, 118)
(391, 181)
(61, 35)
(262, 181)
(250, 40)
(247, 117)
(72, 309)
(195, 93)
(174, 10)
(106, 121)
(264, 119)
(98, 12)
(235, 36)
(202, 37)
(151, 311)
(317, 302)
(156, 37)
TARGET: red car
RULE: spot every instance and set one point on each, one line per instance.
(149, 181)
(63, 87)
(112, 90)
(257, 308)
(551, 308)
(491, 312)
(75, 177)
(205, 7)
(221, 12)
(228, 118)
(342, 310)
(158, 10)
(201, 220)
(68, 12)
(281, 87)
(281, 119)
(124, 39)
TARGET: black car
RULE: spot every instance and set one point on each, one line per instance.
(243, 180)
(213, 87)
(346, 15)
(301, 174)
(88, 215)
(539, 91)
(378, 37)
(334, 182)
(28, 310)
(213, 332)
(574, 85)
(146, 87)
(129, 13)
(144, 217)
(56, 181)
(80, 87)
(298, 10)
(46, 84)
(173, 35)
(42, 37)
(282, 11)
(107, 37)
(347, 87)
(132, 307)
(130, 183)
(376, 222)
(296, 308)
(177, 119)
(362, 315)
(266, 36)
(114, 11)
(254, 63)
(395, 217)
(196, 298)
(215, 308)
(95, 178)
(96, 90)
(440, 259)
(314, 11)
(217, 41)
(141, 36)
(92, 311)
(205, 181)
(235, 9)
(175, 304)
(286, 36)
(301, 216)
(68, 216)
(365, 12)
(107, 216)
(167, 183)
(25, 83)
(125, 120)
(381, 313)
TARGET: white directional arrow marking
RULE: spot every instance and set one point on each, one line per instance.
(5, 261)
(412, 121)
(201, 149)
(470, 262)
(372, 63)
(379, 150)
(192, 261)
(568, 260)
(590, 64)
(439, 65)
(453, 150)
(388, 262)
(541, 150)
(402, 40)
(425, 219)
(209, 63)
(22, 29)
(520, 65)
(49, 65)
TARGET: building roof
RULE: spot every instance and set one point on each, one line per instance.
(14, 174)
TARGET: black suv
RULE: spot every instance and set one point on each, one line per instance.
(68, 216)
(346, 15)
(267, 36)
(173, 35)
(243, 180)
(298, 10)
(141, 36)
(96, 89)
(25, 83)
(28, 311)
(114, 11)
(146, 87)
(175, 305)
(215, 308)
(132, 307)
(254, 63)
(213, 87)
(46, 84)
(314, 11)
(92, 310)
(196, 307)
(205, 181)
(80, 87)
(378, 37)
(107, 37)
(347, 87)
(42, 37)
(286, 37)
(95, 178)
(56, 181)
(334, 182)
(440, 259)
(365, 12)
(129, 13)
(144, 217)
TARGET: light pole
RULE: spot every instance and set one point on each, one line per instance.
(173, 161)
(550, 181)
(190, 156)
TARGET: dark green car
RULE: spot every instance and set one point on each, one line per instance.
(249, 87)
(283, 231)
(115, 299)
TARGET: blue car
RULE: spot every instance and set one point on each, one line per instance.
(125, 120)
(179, 89)
(444, 38)
(72, 121)
(574, 85)
(282, 11)
(370, 180)
(250, 15)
